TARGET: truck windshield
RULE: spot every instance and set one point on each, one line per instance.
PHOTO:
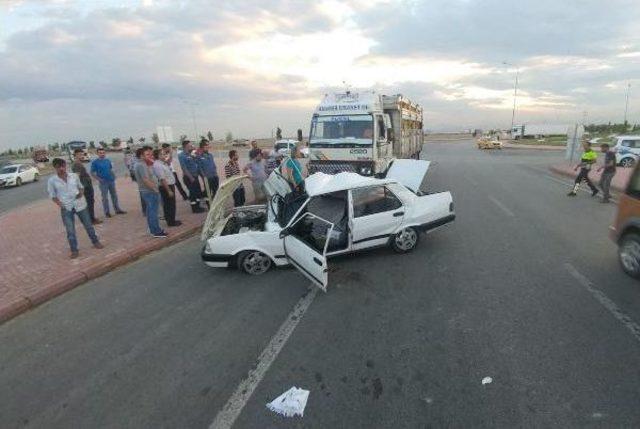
(341, 131)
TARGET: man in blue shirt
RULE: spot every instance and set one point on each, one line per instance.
(102, 171)
(189, 167)
(208, 170)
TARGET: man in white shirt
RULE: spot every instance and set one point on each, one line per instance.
(66, 191)
(167, 188)
(172, 161)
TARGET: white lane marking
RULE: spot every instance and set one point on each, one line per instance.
(627, 321)
(232, 409)
(502, 206)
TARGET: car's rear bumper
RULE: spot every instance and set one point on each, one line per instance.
(438, 223)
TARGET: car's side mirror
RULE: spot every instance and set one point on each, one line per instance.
(285, 232)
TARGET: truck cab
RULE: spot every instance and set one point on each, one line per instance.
(362, 132)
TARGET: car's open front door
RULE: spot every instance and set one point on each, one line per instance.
(305, 245)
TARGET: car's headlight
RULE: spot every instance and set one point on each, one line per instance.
(365, 171)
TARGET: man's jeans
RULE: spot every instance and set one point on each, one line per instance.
(605, 184)
(68, 219)
(152, 201)
(105, 189)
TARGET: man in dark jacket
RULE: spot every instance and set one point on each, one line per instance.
(85, 180)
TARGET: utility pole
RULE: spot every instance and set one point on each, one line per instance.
(515, 96)
(626, 103)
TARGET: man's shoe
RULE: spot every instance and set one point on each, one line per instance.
(120, 212)
(74, 255)
(594, 192)
(176, 223)
(161, 234)
(108, 215)
(571, 194)
(98, 245)
(605, 200)
(96, 221)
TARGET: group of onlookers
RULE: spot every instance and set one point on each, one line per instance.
(155, 172)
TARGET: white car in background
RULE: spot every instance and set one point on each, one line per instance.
(336, 214)
(285, 147)
(17, 174)
(627, 149)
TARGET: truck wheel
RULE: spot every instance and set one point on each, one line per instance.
(405, 241)
(629, 254)
(254, 262)
(627, 162)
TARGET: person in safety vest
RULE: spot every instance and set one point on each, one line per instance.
(587, 160)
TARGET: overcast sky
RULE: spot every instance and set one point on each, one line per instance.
(96, 69)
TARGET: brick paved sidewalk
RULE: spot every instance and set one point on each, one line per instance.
(35, 264)
(619, 182)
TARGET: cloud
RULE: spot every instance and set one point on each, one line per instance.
(100, 67)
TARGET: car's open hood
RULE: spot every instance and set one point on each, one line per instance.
(409, 172)
(217, 209)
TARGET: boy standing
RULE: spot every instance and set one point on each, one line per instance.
(232, 168)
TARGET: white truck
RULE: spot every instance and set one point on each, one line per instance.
(363, 132)
(538, 130)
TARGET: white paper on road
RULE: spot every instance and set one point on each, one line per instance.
(290, 403)
(486, 380)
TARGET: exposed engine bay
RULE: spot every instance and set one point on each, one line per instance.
(245, 219)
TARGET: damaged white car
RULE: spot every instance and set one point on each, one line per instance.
(335, 214)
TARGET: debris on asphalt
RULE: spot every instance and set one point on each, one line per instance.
(290, 403)
(486, 380)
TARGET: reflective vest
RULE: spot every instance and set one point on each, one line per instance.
(589, 157)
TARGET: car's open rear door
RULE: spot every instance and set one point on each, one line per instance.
(305, 245)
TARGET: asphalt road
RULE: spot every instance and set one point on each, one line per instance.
(524, 288)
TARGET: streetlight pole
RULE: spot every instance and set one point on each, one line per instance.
(626, 103)
(515, 96)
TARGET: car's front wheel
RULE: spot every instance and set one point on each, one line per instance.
(18, 181)
(629, 254)
(254, 262)
(405, 240)
(627, 162)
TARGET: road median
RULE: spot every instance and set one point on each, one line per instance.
(618, 184)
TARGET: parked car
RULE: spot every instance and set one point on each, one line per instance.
(336, 214)
(17, 174)
(285, 147)
(627, 150)
(625, 231)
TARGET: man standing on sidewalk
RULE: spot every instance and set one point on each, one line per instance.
(102, 171)
(148, 186)
(167, 188)
(207, 166)
(254, 150)
(171, 160)
(190, 171)
(587, 160)
(65, 190)
(87, 183)
(609, 168)
(232, 168)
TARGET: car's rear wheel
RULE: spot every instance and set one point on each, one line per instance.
(627, 162)
(254, 262)
(629, 254)
(405, 240)
(36, 177)
(18, 181)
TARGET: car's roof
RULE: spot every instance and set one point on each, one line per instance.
(321, 183)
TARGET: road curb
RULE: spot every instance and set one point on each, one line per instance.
(534, 147)
(60, 286)
(562, 172)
